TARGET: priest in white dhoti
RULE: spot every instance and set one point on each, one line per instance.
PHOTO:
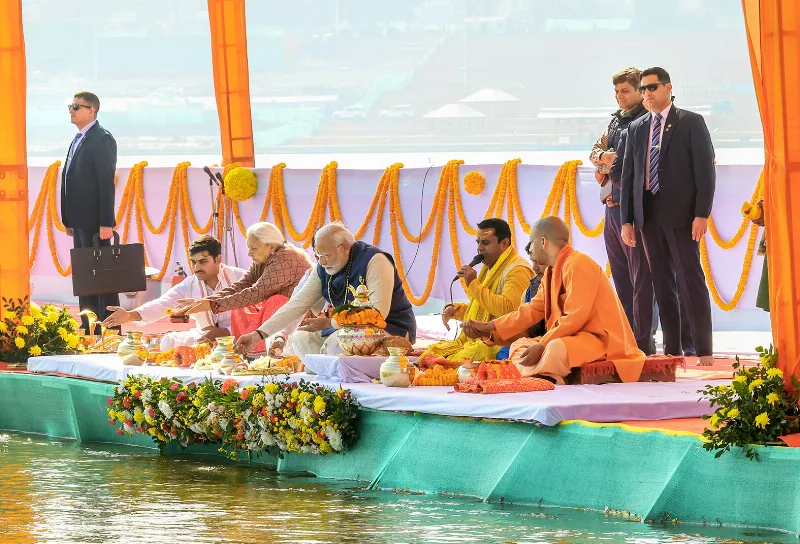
(210, 276)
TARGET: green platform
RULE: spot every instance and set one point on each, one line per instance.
(651, 474)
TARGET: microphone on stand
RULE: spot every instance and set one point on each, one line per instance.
(221, 182)
(477, 259)
(211, 179)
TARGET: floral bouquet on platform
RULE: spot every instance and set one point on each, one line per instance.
(31, 330)
(754, 409)
(272, 418)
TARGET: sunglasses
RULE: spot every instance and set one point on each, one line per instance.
(651, 87)
(76, 107)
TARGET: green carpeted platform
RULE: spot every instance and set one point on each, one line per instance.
(648, 473)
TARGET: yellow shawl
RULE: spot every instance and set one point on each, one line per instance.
(492, 278)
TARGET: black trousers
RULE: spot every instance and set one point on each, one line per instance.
(95, 303)
(632, 281)
(678, 280)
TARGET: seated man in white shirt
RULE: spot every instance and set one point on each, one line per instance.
(210, 276)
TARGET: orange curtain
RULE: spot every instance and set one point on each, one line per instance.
(14, 271)
(773, 36)
(232, 80)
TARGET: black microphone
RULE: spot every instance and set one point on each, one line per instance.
(221, 182)
(477, 259)
(207, 170)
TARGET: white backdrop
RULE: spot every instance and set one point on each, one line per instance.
(735, 184)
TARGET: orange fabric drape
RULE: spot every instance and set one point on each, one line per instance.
(14, 270)
(773, 36)
(232, 80)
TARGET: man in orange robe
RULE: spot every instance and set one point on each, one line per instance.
(585, 319)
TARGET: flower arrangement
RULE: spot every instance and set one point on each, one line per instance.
(240, 184)
(29, 330)
(754, 409)
(360, 317)
(361, 313)
(272, 418)
(474, 183)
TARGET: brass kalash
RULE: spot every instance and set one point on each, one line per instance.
(109, 339)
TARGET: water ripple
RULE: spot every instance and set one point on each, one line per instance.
(60, 491)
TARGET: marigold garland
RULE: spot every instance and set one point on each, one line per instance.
(745, 275)
(758, 193)
(505, 201)
(438, 213)
(474, 183)
(572, 185)
(378, 196)
(441, 193)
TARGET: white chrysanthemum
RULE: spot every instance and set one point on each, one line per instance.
(165, 409)
(223, 423)
(147, 396)
(198, 428)
(121, 389)
(334, 438)
(267, 439)
(128, 428)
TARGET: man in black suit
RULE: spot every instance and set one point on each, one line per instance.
(667, 191)
(87, 188)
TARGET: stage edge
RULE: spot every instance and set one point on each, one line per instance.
(577, 465)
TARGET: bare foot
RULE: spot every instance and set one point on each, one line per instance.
(705, 360)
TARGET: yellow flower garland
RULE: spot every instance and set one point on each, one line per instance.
(758, 193)
(505, 201)
(712, 285)
(474, 183)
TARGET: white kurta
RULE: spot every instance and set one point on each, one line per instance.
(194, 288)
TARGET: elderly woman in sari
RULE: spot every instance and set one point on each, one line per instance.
(276, 270)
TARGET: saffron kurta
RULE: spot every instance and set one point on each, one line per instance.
(582, 309)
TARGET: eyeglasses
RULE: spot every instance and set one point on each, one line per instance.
(76, 107)
(651, 87)
(325, 256)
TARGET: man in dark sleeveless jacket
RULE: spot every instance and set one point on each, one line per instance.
(342, 262)
(627, 264)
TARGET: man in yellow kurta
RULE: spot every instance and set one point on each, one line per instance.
(496, 291)
(585, 319)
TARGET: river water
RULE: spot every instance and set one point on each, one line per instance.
(60, 491)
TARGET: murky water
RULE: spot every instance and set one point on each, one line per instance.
(60, 491)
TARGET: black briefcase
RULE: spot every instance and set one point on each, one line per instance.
(100, 269)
